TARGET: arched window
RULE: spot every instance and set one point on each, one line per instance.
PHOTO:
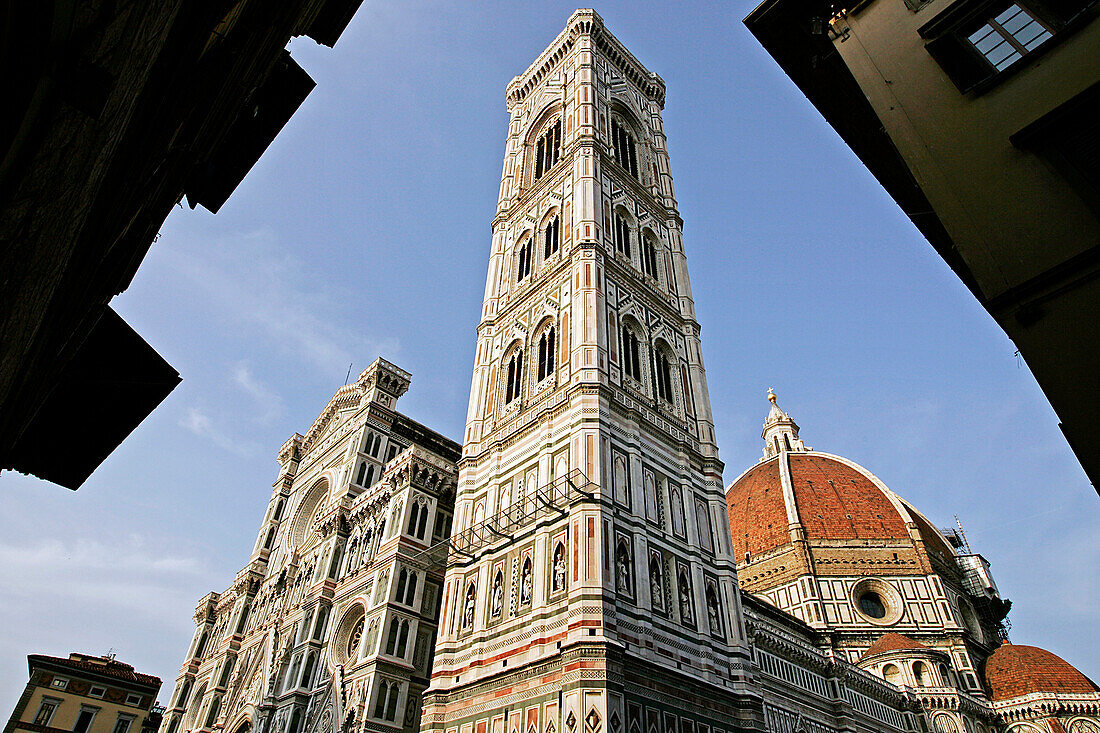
(920, 675)
(403, 640)
(523, 260)
(215, 706)
(334, 564)
(422, 525)
(551, 237)
(278, 510)
(362, 473)
(226, 671)
(891, 674)
(319, 626)
(649, 256)
(372, 444)
(173, 725)
(270, 539)
(546, 354)
(622, 143)
(548, 149)
(410, 592)
(414, 515)
(402, 580)
(621, 234)
(664, 377)
(307, 673)
(514, 376)
(200, 648)
(391, 640)
(380, 700)
(243, 619)
(391, 702)
(185, 690)
(295, 721)
(632, 362)
(369, 478)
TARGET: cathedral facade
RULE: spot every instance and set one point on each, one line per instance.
(579, 567)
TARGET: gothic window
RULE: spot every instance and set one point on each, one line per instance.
(374, 442)
(649, 256)
(243, 619)
(546, 354)
(664, 377)
(319, 626)
(227, 670)
(354, 639)
(523, 260)
(200, 648)
(410, 591)
(270, 539)
(624, 148)
(369, 477)
(391, 702)
(621, 234)
(391, 640)
(548, 149)
(551, 237)
(278, 511)
(526, 583)
(702, 524)
(307, 672)
(212, 716)
(422, 525)
(380, 700)
(677, 510)
(559, 570)
(414, 516)
(403, 640)
(514, 377)
(334, 564)
(632, 362)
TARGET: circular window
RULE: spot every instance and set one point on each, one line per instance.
(876, 601)
(354, 638)
(871, 604)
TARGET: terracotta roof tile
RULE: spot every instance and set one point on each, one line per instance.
(118, 670)
(1014, 670)
(757, 513)
(891, 641)
(838, 502)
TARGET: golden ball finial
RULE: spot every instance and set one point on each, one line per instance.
(771, 396)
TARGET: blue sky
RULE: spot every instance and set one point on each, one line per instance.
(364, 231)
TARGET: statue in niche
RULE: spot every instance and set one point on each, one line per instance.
(468, 613)
(656, 587)
(497, 596)
(559, 568)
(712, 612)
(526, 583)
(685, 600)
(622, 562)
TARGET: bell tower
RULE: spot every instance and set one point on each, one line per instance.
(590, 584)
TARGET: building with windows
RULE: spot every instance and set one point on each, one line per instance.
(332, 621)
(979, 118)
(820, 538)
(589, 583)
(86, 694)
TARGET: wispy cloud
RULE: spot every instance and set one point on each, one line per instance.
(254, 283)
(269, 404)
(197, 422)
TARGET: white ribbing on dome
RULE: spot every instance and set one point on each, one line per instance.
(780, 432)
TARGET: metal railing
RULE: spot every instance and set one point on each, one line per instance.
(553, 498)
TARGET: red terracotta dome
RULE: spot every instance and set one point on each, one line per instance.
(834, 499)
(1015, 670)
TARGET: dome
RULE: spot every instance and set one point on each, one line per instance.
(892, 642)
(832, 498)
(1014, 670)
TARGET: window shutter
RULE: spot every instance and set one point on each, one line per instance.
(960, 61)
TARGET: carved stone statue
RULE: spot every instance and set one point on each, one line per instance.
(624, 571)
(498, 596)
(526, 585)
(685, 603)
(712, 613)
(468, 614)
(559, 569)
